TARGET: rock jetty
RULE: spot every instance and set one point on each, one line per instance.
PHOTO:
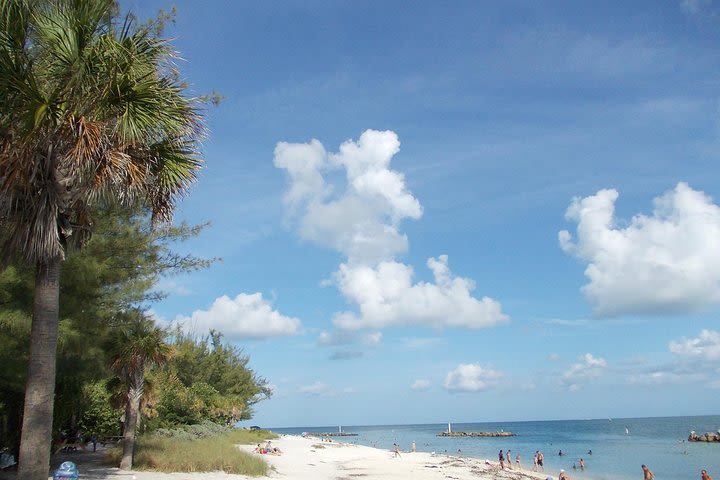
(708, 437)
(476, 434)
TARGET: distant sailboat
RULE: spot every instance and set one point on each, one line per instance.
(627, 432)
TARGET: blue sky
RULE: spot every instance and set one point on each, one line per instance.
(458, 211)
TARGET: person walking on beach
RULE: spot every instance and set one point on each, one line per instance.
(541, 459)
(517, 462)
(563, 475)
(413, 446)
(704, 475)
(396, 449)
(501, 458)
(535, 461)
(508, 457)
(647, 473)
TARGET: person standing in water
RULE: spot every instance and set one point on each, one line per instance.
(647, 473)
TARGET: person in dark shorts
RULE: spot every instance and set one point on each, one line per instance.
(541, 459)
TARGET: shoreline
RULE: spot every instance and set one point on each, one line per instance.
(311, 457)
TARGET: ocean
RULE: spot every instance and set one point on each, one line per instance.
(619, 445)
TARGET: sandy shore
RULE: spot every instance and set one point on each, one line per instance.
(311, 458)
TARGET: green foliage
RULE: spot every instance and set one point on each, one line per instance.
(205, 380)
(112, 274)
(191, 432)
(207, 454)
(98, 415)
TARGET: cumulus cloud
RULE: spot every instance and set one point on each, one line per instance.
(665, 263)
(386, 296)
(361, 222)
(578, 373)
(420, 384)
(242, 317)
(705, 347)
(471, 378)
(361, 219)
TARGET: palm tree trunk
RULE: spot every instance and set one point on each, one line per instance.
(36, 436)
(132, 411)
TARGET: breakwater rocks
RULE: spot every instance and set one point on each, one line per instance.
(708, 437)
(476, 434)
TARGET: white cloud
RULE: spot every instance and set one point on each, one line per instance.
(386, 297)
(172, 287)
(245, 316)
(670, 374)
(420, 384)
(705, 347)
(321, 389)
(590, 368)
(317, 388)
(471, 378)
(361, 219)
(665, 263)
(362, 222)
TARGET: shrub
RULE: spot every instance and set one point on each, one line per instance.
(198, 454)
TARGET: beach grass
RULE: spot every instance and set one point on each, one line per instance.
(209, 454)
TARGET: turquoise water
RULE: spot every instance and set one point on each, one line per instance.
(660, 443)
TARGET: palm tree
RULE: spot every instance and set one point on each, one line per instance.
(91, 112)
(135, 347)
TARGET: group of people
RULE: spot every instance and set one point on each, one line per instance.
(268, 449)
(508, 456)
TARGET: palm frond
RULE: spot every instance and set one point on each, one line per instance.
(90, 110)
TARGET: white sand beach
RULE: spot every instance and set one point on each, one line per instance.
(311, 458)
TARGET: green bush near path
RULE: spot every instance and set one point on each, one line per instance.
(205, 454)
